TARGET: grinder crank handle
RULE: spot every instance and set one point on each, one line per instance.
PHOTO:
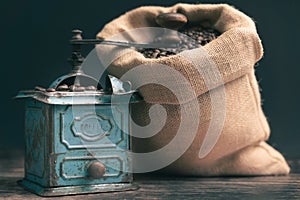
(77, 40)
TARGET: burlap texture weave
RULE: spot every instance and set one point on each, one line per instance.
(241, 148)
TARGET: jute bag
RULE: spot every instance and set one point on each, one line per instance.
(241, 148)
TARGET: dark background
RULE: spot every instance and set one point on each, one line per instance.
(34, 49)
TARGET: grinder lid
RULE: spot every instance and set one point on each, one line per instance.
(77, 87)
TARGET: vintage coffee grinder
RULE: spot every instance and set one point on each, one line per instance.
(76, 138)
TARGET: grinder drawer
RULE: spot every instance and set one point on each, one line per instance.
(92, 168)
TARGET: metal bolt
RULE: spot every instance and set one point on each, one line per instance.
(77, 34)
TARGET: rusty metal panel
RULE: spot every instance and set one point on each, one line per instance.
(81, 127)
(37, 126)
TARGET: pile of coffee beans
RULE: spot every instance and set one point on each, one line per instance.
(197, 36)
(201, 35)
(190, 37)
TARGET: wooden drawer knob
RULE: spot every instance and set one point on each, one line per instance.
(96, 170)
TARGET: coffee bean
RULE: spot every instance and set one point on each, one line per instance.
(164, 53)
(154, 55)
(200, 38)
(79, 89)
(50, 90)
(91, 88)
(191, 46)
(63, 87)
(72, 88)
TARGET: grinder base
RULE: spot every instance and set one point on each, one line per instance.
(78, 189)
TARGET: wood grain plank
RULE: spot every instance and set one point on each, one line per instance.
(154, 186)
(273, 187)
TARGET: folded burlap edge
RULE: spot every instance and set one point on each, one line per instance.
(234, 52)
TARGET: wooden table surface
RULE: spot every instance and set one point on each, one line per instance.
(162, 187)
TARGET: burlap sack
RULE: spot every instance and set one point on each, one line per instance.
(241, 148)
